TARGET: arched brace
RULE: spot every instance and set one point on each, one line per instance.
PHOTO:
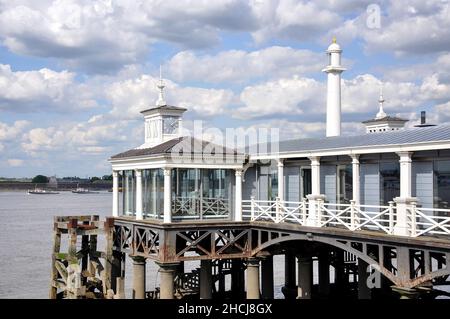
(427, 277)
(384, 271)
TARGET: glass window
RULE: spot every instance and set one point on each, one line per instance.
(273, 182)
(129, 192)
(442, 184)
(389, 181)
(345, 184)
(199, 193)
(153, 192)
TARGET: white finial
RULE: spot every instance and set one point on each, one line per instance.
(160, 101)
(381, 114)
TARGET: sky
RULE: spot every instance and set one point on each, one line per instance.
(74, 75)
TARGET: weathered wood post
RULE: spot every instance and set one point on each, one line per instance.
(55, 251)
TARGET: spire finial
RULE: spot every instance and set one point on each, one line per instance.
(334, 40)
(381, 100)
(160, 101)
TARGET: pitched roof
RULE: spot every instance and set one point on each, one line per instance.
(399, 137)
(386, 119)
(165, 107)
(180, 145)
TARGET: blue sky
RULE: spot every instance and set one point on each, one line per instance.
(75, 74)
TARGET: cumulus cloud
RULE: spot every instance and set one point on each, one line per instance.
(102, 36)
(241, 66)
(291, 19)
(10, 133)
(42, 90)
(284, 96)
(406, 27)
(131, 96)
(97, 135)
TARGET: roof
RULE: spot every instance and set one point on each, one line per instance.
(165, 107)
(386, 119)
(405, 136)
(180, 145)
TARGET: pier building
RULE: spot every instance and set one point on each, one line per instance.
(346, 208)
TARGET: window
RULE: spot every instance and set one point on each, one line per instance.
(442, 184)
(390, 181)
(129, 192)
(201, 193)
(345, 184)
(153, 192)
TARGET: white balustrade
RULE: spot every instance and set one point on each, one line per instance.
(353, 216)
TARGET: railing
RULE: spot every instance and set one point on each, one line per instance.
(429, 221)
(358, 217)
(316, 213)
(200, 207)
(276, 211)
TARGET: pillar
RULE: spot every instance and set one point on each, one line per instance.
(340, 279)
(356, 179)
(238, 200)
(288, 289)
(280, 179)
(167, 195)
(305, 273)
(405, 200)
(205, 279)
(324, 273)
(237, 278)
(139, 197)
(315, 175)
(315, 197)
(167, 272)
(364, 292)
(253, 278)
(115, 199)
(267, 277)
(138, 277)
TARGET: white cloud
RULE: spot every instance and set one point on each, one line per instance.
(298, 20)
(103, 35)
(10, 133)
(42, 90)
(241, 66)
(292, 96)
(131, 96)
(406, 27)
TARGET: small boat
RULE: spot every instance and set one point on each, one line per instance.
(81, 190)
(41, 191)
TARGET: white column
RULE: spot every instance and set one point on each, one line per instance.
(167, 195)
(315, 175)
(280, 179)
(115, 204)
(405, 174)
(315, 197)
(238, 196)
(334, 70)
(139, 198)
(403, 203)
(355, 178)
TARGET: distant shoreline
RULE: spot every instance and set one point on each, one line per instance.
(62, 186)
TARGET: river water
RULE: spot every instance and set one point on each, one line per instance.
(26, 229)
